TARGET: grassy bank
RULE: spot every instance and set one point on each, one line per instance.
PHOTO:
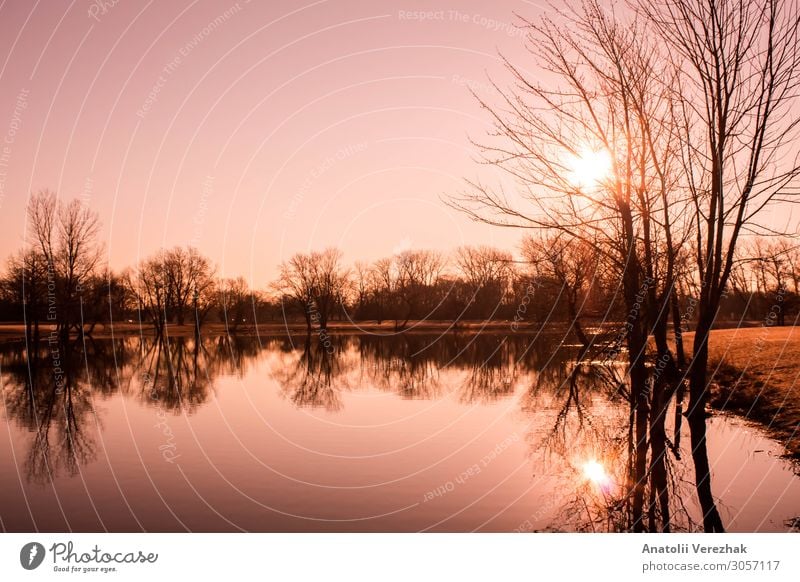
(755, 374)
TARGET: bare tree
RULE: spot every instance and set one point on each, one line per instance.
(149, 285)
(790, 251)
(595, 158)
(79, 250)
(189, 278)
(172, 283)
(384, 279)
(363, 289)
(233, 300)
(487, 273)
(296, 282)
(740, 66)
(330, 283)
(25, 285)
(42, 219)
(569, 262)
(417, 272)
(764, 278)
(315, 282)
(106, 296)
(66, 236)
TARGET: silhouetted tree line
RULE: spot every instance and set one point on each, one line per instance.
(59, 278)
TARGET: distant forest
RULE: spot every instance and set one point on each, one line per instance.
(59, 277)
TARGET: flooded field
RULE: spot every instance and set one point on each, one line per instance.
(415, 432)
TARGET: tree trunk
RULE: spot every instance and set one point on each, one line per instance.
(665, 380)
(658, 447)
(637, 345)
(698, 398)
(576, 324)
(323, 318)
(680, 392)
(638, 377)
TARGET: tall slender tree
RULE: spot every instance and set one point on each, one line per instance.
(737, 96)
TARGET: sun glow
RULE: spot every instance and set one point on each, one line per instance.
(596, 473)
(589, 168)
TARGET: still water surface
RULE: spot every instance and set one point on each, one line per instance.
(407, 433)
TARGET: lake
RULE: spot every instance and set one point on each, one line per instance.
(407, 432)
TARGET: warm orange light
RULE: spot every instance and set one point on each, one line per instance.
(589, 168)
(596, 473)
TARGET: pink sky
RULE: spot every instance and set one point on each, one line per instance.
(252, 130)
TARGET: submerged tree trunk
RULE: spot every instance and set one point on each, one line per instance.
(638, 377)
(680, 391)
(665, 380)
(637, 370)
(698, 399)
(658, 447)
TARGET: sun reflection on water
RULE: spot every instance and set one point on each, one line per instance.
(595, 472)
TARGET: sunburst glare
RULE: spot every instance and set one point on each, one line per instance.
(589, 167)
(595, 472)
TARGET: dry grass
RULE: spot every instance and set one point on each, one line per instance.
(755, 373)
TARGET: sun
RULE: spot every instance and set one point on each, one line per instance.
(589, 167)
(596, 473)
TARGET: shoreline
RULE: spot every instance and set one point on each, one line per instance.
(755, 374)
(16, 330)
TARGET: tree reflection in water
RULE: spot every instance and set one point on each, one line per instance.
(309, 381)
(579, 431)
(176, 373)
(590, 440)
(56, 406)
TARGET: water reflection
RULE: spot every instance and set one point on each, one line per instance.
(308, 380)
(44, 392)
(571, 455)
